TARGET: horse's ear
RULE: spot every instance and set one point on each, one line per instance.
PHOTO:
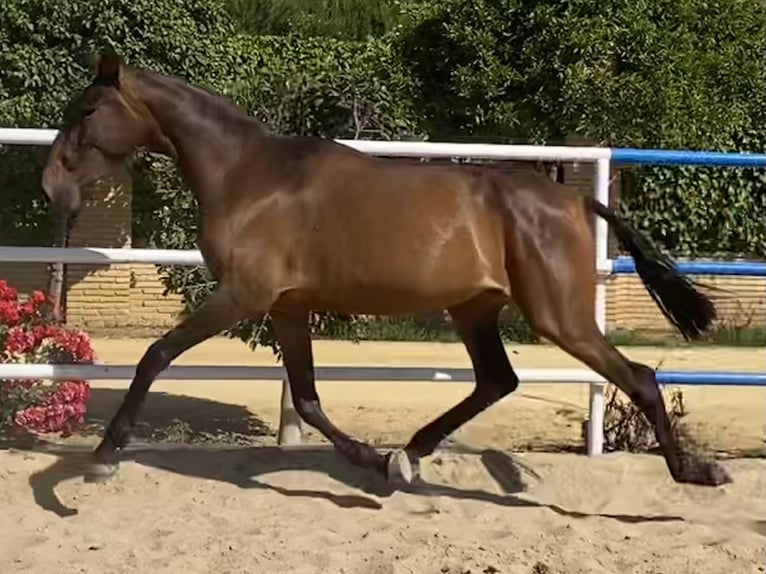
(107, 68)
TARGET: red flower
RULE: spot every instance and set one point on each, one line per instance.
(33, 405)
(70, 392)
(39, 298)
(26, 310)
(9, 313)
(41, 332)
(62, 410)
(7, 293)
(19, 341)
(76, 344)
(63, 418)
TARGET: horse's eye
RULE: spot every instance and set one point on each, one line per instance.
(88, 112)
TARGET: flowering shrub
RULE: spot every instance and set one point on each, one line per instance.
(28, 334)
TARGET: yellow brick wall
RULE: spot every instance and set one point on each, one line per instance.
(739, 301)
(99, 295)
(120, 294)
(148, 307)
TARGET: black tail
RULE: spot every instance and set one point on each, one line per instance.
(688, 309)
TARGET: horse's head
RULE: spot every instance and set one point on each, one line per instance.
(107, 124)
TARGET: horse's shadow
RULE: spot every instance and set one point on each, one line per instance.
(248, 467)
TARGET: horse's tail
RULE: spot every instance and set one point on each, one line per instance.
(688, 309)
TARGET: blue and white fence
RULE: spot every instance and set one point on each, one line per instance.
(289, 427)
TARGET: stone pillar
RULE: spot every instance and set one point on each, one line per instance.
(99, 295)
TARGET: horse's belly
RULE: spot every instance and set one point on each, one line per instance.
(415, 286)
(379, 300)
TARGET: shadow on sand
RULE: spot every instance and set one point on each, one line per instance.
(246, 465)
(245, 468)
(179, 418)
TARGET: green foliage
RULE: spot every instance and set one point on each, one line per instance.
(323, 87)
(46, 50)
(345, 19)
(700, 211)
(651, 72)
(647, 73)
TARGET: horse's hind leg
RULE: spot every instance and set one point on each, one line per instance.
(476, 322)
(559, 303)
(216, 314)
(638, 381)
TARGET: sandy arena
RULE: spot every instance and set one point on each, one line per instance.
(484, 507)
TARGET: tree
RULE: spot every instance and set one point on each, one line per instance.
(646, 73)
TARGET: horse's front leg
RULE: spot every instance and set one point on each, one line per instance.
(215, 314)
(292, 331)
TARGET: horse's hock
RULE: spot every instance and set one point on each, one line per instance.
(120, 295)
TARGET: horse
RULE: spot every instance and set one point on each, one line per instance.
(290, 225)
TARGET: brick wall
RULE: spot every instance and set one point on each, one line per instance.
(148, 307)
(114, 295)
(741, 302)
(99, 295)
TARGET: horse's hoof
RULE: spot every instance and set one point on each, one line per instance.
(704, 473)
(398, 467)
(97, 472)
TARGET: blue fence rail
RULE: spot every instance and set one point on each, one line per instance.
(712, 378)
(624, 265)
(686, 157)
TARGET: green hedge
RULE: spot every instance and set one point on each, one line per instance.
(643, 73)
(342, 19)
(46, 50)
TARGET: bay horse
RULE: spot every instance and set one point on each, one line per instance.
(290, 225)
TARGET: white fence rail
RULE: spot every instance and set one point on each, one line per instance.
(253, 373)
(599, 156)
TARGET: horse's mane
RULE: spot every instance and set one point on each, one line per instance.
(206, 101)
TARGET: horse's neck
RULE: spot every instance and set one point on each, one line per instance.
(207, 134)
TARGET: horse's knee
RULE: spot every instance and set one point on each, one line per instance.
(497, 387)
(495, 376)
(155, 360)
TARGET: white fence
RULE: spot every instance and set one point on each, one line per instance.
(289, 432)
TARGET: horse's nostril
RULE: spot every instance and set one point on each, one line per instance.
(64, 199)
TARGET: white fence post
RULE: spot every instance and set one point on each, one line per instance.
(595, 439)
(290, 422)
